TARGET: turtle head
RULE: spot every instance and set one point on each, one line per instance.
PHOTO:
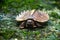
(29, 23)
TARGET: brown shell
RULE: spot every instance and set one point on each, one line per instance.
(40, 16)
(36, 15)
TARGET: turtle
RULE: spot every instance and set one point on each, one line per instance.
(32, 19)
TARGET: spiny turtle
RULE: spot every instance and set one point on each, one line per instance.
(32, 18)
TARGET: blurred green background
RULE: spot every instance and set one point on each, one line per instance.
(10, 8)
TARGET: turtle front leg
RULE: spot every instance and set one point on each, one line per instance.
(21, 25)
(38, 24)
(34, 25)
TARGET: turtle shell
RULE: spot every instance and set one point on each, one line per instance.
(36, 15)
